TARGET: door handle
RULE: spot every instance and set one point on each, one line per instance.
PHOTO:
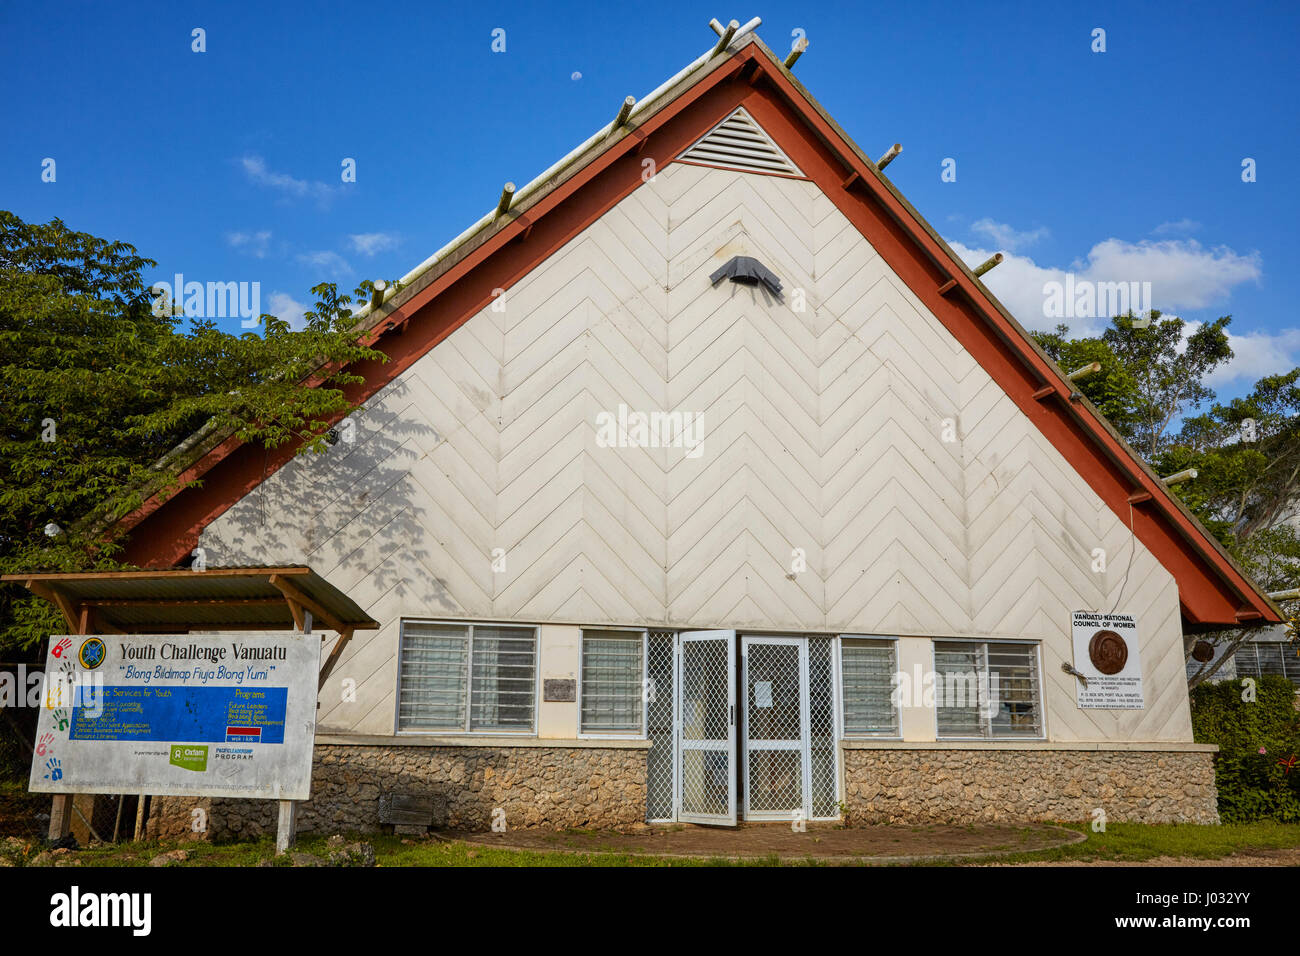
(731, 714)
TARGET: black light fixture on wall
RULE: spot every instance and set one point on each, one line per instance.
(748, 271)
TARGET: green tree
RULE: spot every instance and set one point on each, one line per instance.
(1151, 374)
(1246, 452)
(97, 391)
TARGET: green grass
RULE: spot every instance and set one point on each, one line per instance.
(1120, 842)
(1135, 842)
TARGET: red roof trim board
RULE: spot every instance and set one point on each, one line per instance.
(1213, 591)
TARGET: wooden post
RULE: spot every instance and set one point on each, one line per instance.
(288, 822)
(78, 623)
(61, 816)
(139, 820)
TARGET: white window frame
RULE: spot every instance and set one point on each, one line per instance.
(644, 632)
(841, 717)
(469, 676)
(988, 721)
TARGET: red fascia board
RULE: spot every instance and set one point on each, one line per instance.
(1211, 591)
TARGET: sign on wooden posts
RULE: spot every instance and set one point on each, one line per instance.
(217, 715)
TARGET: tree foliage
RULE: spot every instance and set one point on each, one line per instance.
(96, 390)
(1246, 452)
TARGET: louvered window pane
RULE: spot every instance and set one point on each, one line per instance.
(1247, 660)
(958, 665)
(611, 682)
(1013, 680)
(1270, 658)
(502, 690)
(867, 670)
(987, 689)
(467, 678)
(434, 664)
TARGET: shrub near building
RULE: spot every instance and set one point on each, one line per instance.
(1256, 738)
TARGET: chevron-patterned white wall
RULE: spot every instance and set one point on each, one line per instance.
(822, 430)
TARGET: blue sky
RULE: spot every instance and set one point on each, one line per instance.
(225, 165)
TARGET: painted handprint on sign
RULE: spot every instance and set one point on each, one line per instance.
(59, 686)
(55, 769)
(60, 647)
(43, 743)
(60, 720)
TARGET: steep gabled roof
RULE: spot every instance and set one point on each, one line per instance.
(458, 282)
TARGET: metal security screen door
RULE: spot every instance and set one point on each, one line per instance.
(706, 727)
(776, 723)
(789, 730)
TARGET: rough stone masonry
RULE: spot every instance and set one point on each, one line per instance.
(550, 787)
(987, 786)
(598, 788)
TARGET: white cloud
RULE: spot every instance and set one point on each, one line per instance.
(285, 307)
(1182, 273)
(370, 243)
(257, 172)
(1004, 236)
(1172, 228)
(326, 261)
(1255, 355)
(254, 243)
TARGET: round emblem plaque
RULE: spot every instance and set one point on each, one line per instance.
(1108, 652)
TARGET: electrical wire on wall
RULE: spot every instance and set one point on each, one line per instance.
(1123, 584)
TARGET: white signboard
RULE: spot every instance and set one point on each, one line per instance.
(229, 715)
(1106, 653)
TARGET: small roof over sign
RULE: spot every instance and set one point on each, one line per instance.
(215, 599)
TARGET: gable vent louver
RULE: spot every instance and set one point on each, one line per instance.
(740, 143)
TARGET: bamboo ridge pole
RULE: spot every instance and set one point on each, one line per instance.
(727, 34)
(1083, 371)
(890, 156)
(507, 196)
(796, 51)
(1186, 474)
(624, 112)
(988, 264)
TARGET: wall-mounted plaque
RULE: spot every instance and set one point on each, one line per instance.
(1106, 653)
(559, 689)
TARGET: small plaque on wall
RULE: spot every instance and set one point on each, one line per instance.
(561, 689)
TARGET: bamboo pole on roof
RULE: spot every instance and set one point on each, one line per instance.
(1083, 371)
(987, 265)
(727, 34)
(1187, 474)
(796, 51)
(507, 195)
(624, 112)
(890, 156)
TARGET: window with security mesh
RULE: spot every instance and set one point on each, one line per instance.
(866, 678)
(1257, 658)
(612, 682)
(467, 678)
(987, 689)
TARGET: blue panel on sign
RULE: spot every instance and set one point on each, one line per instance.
(183, 715)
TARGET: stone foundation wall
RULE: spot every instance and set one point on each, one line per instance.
(548, 787)
(980, 786)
